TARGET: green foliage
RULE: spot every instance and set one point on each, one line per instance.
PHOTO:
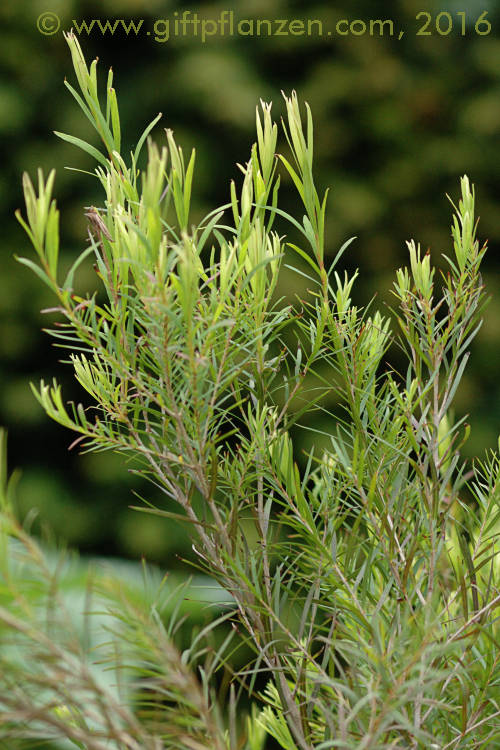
(395, 122)
(367, 584)
(87, 649)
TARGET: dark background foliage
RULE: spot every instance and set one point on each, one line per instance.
(397, 121)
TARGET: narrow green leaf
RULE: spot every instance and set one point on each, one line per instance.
(84, 146)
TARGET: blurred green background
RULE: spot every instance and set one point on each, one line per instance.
(397, 122)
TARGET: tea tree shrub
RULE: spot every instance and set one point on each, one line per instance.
(367, 583)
